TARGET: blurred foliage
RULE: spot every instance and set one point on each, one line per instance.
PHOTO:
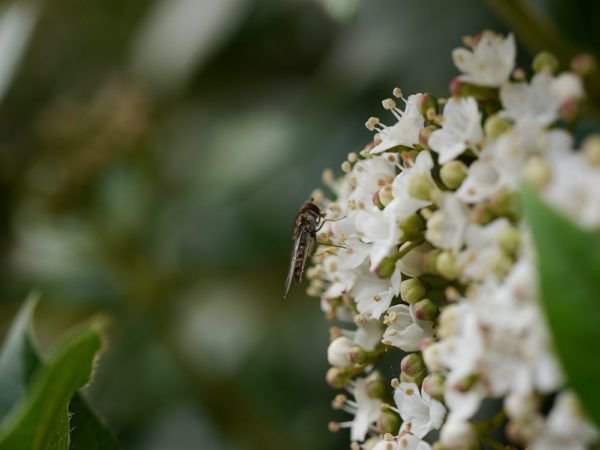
(152, 157)
(569, 269)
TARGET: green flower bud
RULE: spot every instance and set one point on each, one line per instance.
(509, 239)
(412, 290)
(412, 365)
(430, 262)
(446, 265)
(388, 422)
(584, 64)
(453, 173)
(427, 102)
(358, 355)
(413, 226)
(495, 126)
(386, 267)
(419, 186)
(337, 377)
(376, 388)
(502, 263)
(505, 203)
(426, 310)
(405, 378)
(537, 172)
(433, 384)
(466, 383)
(591, 149)
(545, 61)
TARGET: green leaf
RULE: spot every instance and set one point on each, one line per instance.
(88, 431)
(569, 268)
(19, 357)
(38, 421)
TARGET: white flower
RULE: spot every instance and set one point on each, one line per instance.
(446, 226)
(491, 61)
(405, 441)
(368, 334)
(461, 129)
(565, 427)
(404, 330)
(532, 103)
(405, 131)
(483, 256)
(458, 434)
(373, 295)
(366, 410)
(420, 413)
(380, 231)
(483, 180)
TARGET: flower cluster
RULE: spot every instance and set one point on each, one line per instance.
(430, 262)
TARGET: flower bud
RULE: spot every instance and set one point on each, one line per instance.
(388, 422)
(567, 87)
(453, 173)
(505, 203)
(412, 290)
(338, 352)
(417, 379)
(521, 406)
(448, 321)
(412, 365)
(545, 61)
(358, 355)
(337, 377)
(412, 226)
(386, 267)
(432, 355)
(430, 261)
(584, 64)
(509, 239)
(420, 186)
(446, 265)
(433, 384)
(501, 263)
(376, 388)
(459, 434)
(591, 149)
(426, 310)
(495, 126)
(427, 102)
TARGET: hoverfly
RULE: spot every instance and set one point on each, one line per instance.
(306, 226)
(308, 223)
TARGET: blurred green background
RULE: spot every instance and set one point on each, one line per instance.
(152, 157)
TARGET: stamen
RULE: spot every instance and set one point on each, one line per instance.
(388, 104)
(397, 92)
(372, 123)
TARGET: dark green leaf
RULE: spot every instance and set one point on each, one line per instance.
(37, 421)
(19, 357)
(87, 431)
(569, 267)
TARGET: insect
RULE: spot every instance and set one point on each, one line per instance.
(308, 222)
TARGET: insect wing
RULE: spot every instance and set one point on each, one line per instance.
(302, 248)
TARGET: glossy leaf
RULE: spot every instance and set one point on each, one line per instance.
(569, 269)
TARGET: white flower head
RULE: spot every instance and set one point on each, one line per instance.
(491, 61)
(406, 129)
(461, 129)
(532, 103)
